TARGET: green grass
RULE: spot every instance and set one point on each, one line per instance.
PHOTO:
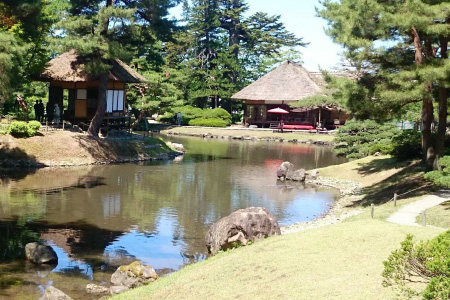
(438, 216)
(343, 261)
(254, 133)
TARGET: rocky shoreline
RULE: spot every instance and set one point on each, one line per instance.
(251, 138)
(350, 193)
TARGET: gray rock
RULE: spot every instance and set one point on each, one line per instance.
(314, 174)
(133, 275)
(53, 293)
(253, 126)
(298, 175)
(96, 289)
(177, 147)
(284, 168)
(242, 226)
(39, 253)
(118, 289)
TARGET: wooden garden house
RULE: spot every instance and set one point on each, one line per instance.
(288, 83)
(69, 82)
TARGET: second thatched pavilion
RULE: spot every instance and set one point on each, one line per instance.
(68, 80)
(288, 83)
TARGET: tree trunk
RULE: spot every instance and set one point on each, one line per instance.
(427, 106)
(443, 103)
(96, 122)
(427, 147)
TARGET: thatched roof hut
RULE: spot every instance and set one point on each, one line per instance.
(289, 82)
(68, 67)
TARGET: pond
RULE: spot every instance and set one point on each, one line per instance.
(99, 217)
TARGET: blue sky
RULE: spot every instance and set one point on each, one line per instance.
(299, 17)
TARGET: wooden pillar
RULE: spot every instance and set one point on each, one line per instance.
(320, 115)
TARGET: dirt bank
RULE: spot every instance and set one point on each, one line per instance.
(64, 148)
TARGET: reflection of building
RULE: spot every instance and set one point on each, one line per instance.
(111, 205)
(288, 83)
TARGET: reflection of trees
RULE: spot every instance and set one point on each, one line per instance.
(13, 238)
(215, 178)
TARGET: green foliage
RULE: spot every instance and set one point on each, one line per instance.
(429, 260)
(22, 129)
(441, 177)
(190, 113)
(362, 138)
(212, 122)
(407, 145)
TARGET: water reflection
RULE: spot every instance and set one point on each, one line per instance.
(100, 217)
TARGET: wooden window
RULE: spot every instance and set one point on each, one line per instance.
(115, 100)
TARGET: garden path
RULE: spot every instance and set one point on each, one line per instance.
(407, 214)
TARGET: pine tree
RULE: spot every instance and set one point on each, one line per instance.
(411, 64)
(88, 30)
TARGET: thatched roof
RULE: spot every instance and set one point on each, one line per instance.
(69, 67)
(288, 82)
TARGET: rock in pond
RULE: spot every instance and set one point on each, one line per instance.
(242, 226)
(39, 253)
(53, 293)
(298, 175)
(314, 174)
(284, 168)
(96, 289)
(133, 275)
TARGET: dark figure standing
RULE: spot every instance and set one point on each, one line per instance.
(281, 125)
(49, 111)
(41, 111)
(36, 111)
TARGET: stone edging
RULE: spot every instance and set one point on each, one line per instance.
(345, 187)
(251, 138)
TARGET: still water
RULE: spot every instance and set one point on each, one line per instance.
(99, 217)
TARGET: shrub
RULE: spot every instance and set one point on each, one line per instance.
(208, 122)
(23, 129)
(189, 113)
(429, 260)
(442, 177)
(407, 145)
(358, 139)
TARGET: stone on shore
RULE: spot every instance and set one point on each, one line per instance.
(314, 174)
(53, 293)
(242, 226)
(117, 289)
(39, 253)
(176, 147)
(133, 275)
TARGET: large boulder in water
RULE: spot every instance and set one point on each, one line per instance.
(298, 175)
(285, 168)
(133, 275)
(242, 226)
(39, 253)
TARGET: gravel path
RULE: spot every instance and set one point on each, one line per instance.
(407, 214)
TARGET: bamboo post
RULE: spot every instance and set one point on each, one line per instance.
(424, 219)
(46, 125)
(63, 124)
(372, 207)
(395, 199)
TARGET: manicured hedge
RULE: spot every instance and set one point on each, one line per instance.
(208, 122)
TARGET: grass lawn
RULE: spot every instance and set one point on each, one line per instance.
(438, 216)
(253, 133)
(342, 261)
